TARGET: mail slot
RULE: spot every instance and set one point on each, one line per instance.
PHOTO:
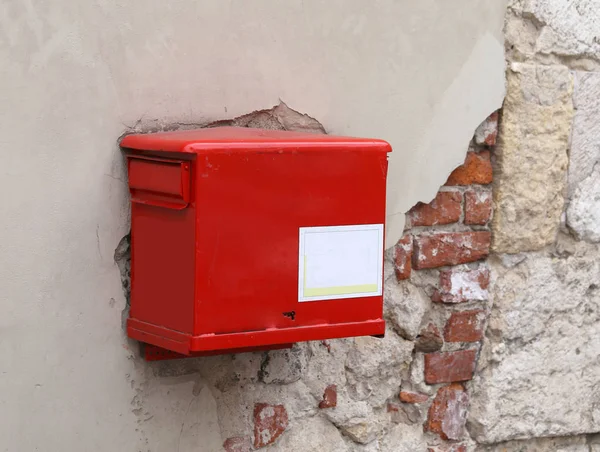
(248, 239)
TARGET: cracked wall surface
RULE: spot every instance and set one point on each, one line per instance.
(76, 76)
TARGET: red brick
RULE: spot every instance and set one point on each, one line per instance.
(449, 367)
(403, 257)
(452, 248)
(478, 207)
(270, 421)
(477, 169)
(237, 444)
(429, 339)
(487, 132)
(329, 397)
(444, 209)
(457, 286)
(448, 413)
(413, 397)
(465, 326)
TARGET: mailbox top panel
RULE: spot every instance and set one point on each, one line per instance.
(223, 139)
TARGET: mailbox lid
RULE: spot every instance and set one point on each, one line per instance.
(223, 139)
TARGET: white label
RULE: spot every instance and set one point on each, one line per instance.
(340, 262)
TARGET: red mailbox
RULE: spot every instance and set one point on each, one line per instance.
(246, 239)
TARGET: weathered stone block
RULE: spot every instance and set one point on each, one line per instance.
(553, 27)
(585, 138)
(540, 362)
(403, 438)
(583, 214)
(374, 367)
(532, 157)
(284, 366)
(404, 307)
(310, 434)
(560, 444)
(405, 413)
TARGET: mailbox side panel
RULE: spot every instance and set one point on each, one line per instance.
(251, 206)
(162, 248)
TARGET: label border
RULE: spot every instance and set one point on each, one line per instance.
(302, 297)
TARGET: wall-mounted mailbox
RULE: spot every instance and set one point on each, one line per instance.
(246, 239)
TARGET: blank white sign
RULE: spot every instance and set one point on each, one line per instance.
(340, 262)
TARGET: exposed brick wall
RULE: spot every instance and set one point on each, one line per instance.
(437, 312)
(444, 251)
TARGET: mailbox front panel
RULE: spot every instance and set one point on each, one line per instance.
(246, 239)
(251, 208)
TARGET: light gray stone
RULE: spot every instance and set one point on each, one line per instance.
(539, 369)
(583, 213)
(408, 413)
(305, 434)
(284, 366)
(585, 139)
(326, 365)
(530, 173)
(561, 444)
(389, 268)
(196, 421)
(403, 438)
(348, 411)
(569, 28)
(356, 419)
(374, 367)
(417, 375)
(404, 307)
(363, 432)
(551, 30)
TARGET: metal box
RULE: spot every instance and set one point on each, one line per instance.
(246, 239)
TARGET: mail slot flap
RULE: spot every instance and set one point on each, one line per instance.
(154, 181)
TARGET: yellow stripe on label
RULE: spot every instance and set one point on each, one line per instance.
(337, 290)
(340, 290)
